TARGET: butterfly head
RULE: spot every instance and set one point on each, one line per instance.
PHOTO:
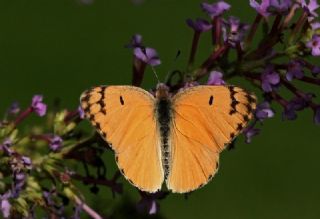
(162, 91)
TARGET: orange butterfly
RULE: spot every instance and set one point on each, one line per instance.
(173, 139)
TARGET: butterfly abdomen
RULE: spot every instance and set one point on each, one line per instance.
(163, 112)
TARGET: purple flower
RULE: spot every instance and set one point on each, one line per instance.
(77, 211)
(261, 8)
(38, 106)
(237, 30)
(296, 104)
(5, 146)
(81, 112)
(26, 161)
(250, 132)
(215, 9)
(216, 78)
(280, 6)
(14, 108)
(148, 205)
(55, 142)
(295, 70)
(19, 180)
(5, 205)
(310, 8)
(264, 111)
(199, 25)
(148, 202)
(147, 55)
(136, 41)
(269, 79)
(315, 25)
(317, 116)
(314, 45)
(315, 70)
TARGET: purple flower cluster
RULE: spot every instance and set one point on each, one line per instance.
(256, 63)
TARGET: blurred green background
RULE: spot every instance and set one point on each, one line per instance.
(60, 48)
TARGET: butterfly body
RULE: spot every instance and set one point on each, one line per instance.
(176, 139)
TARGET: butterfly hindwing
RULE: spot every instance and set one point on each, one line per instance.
(205, 120)
(124, 116)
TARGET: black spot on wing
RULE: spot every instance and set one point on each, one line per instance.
(234, 102)
(211, 100)
(239, 127)
(102, 101)
(232, 111)
(121, 100)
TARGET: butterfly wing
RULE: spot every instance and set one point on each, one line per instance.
(124, 116)
(205, 120)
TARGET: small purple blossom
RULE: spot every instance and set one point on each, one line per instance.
(269, 79)
(261, 8)
(250, 132)
(5, 146)
(14, 108)
(19, 180)
(315, 70)
(237, 30)
(264, 111)
(199, 25)
(26, 161)
(314, 45)
(215, 9)
(216, 78)
(136, 41)
(148, 205)
(5, 205)
(38, 106)
(147, 55)
(296, 104)
(55, 143)
(81, 112)
(317, 116)
(295, 70)
(148, 202)
(280, 6)
(310, 8)
(315, 25)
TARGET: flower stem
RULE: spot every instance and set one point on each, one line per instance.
(310, 80)
(275, 26)
(194, 47)
(216, 31)
(93, 214)
(22, 116)
(300, 23)
(289, 16)
(138, 70)
(208, 64)
(253, 30)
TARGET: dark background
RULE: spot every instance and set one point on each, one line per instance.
(60, 48)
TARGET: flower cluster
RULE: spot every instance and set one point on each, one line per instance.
(44, 163)
(270, 68)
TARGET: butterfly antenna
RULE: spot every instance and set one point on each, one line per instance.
(155, 73)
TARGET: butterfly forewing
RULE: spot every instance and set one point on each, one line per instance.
(124, 116)
(205, 120)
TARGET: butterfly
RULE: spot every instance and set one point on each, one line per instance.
(173, 139)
